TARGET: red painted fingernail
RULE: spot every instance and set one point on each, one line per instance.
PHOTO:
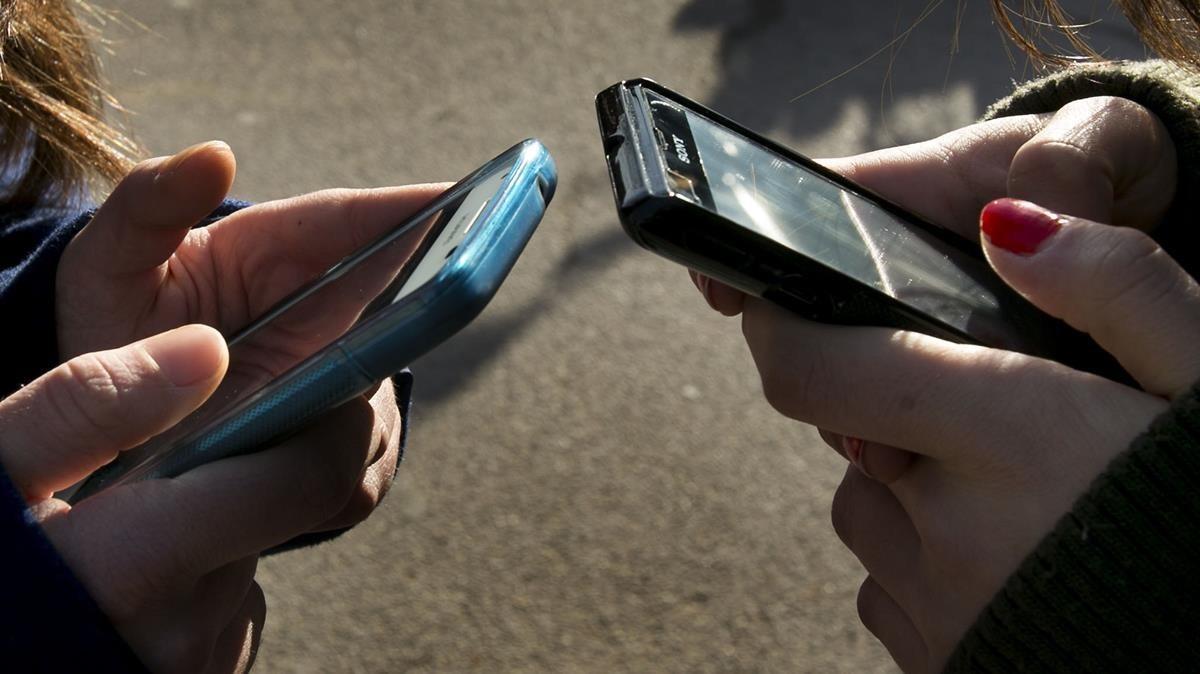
(853, 447)
(1018, 226)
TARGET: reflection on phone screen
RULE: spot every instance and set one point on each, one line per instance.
(803, 210)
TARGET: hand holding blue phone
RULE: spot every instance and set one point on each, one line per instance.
(358, 321)
(170, 563)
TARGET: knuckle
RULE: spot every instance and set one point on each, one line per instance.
(940, 541)
(255, 610)
(1132, 272)
(359, 431)
(869, 604)
(1104, 106)
(331, 197)
(256, 604)
(1108, 119)
(1084, 135)
(384, 397)
(788, 383)
(956, 158)
(1092, 142)
(364, 499)
(362, 503)
(786, 390)
(341, 197)
(87, 397)
(323, 492)
(778, 388)
(340, 200)
(1058, 159)
(386, 476)
(328, 204)
(346, 206)
(1132, 117)
(840, 512)
(330, 482)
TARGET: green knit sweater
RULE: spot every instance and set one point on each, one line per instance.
(1116, 585)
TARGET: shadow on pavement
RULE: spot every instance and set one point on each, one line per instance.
(792, 67)
(444, 371)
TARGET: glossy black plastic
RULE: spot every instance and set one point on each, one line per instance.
(658, 217)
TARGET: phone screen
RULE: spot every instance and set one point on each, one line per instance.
(352, 291)
(791, 205)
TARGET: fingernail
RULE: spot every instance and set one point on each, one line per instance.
(1018, 226)
(187, 356)
(183, 155)
(853, 447)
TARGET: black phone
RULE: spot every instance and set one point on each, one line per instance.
(699, 189)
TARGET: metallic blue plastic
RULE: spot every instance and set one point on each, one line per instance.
(382, 345)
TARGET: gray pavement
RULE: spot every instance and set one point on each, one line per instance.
(594, 482)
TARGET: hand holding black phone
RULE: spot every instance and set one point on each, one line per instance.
(699, 189)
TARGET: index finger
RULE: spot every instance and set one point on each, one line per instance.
(948, 179)
(276, 247)
(315, 230)
(926, 395)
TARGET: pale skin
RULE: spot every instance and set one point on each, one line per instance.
(964, 457)
(172, 562)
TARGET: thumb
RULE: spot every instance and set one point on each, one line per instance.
(114, 268)
(149, 212)
(1114, 283)
(78, 416)
(1107, 159)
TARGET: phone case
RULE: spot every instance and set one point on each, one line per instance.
(377, 348)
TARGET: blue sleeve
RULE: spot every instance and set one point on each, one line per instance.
(48, 621)
(31, 243)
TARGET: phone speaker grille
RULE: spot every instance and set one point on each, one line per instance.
(287, 407)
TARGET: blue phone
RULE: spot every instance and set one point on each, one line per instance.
(366, 318)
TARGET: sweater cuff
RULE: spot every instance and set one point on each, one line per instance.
(1170, 91)
(1114, 587)
(31, 243)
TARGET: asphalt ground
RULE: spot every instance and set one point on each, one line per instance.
(594, 482)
